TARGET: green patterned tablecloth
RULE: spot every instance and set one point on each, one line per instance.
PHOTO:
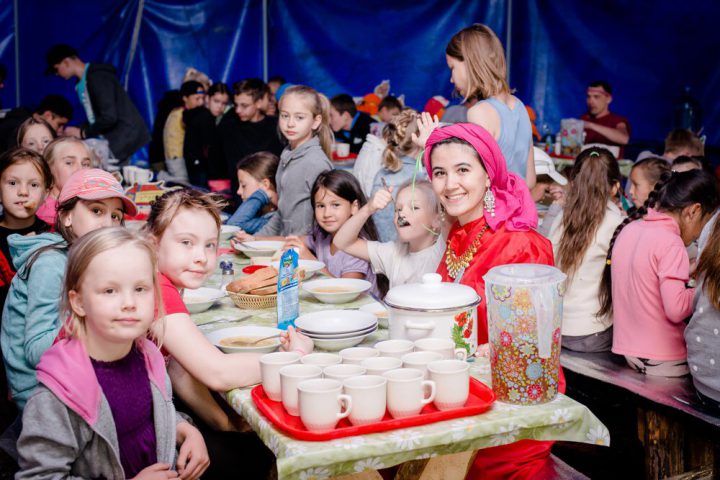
(562, 419)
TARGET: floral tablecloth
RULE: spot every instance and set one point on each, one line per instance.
(561, 419)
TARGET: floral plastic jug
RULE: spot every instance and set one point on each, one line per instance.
(524, 307)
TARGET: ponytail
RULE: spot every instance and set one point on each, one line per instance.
(398, 137)
(672, 193)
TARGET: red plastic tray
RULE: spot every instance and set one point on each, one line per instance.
(480, 399)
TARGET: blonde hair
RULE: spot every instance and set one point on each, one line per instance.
(194, 74)
(52, 148)
(83, 252)
(425, 187)
(318, 104)
(166, 207)
(398, 136)
(484, 56)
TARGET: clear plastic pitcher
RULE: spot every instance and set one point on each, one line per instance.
(524, 311)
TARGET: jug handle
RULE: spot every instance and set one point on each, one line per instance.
(544, 313)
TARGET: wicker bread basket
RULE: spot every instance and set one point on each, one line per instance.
(253, 302)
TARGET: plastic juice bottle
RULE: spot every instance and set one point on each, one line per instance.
(288, 303)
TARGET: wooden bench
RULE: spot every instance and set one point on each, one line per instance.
(658, 426)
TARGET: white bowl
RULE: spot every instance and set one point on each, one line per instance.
(340, 335)
(345, 289)
(200, 299)
(259, 248)
(335, 321)
(378, 309)
(339, 343)
(228, 231)
(248, 331)
(311, 267)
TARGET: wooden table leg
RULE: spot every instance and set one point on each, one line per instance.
(446, 467)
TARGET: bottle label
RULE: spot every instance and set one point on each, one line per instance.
(288, 304)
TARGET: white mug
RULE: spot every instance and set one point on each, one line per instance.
(322, 360)
(406, 392)
(452, 380)
(290, 377)
(342, 149)
(420, 360)
(443, 346)
(270, 365)
(343, 371)
(357, 354)
(380, 365)
(394, 348)
(143, 175)
(321, 402)
(369, 396)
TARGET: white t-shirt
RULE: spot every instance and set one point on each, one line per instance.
(401, 266)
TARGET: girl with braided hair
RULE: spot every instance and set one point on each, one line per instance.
(581, 235)
(398, 166)
(647, 273)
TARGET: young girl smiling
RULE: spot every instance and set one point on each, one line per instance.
(99, 429)
(305, 125)
(420, 244)
(336, 197)
(65, 156)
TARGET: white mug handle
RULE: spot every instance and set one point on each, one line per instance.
(431, 396)
(461, 354)
(344, 400)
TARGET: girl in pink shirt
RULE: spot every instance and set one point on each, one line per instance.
(645, 280)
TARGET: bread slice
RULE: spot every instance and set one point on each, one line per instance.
(269, 290)
(262, 278)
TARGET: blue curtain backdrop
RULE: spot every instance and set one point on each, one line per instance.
(648, 51)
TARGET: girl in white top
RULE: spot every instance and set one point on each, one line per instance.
(420, 241)
(581, 236)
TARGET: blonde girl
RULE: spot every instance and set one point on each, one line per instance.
(581, 236)
(35, 134)
(476, 59)
(109, 298)
(65, 156)
(91, 199)
(420, 242)
(184, 225)
(305, 125)
(398, 166)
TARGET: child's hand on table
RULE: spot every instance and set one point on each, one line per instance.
(292, 341)
(193, 458)
(243, 236)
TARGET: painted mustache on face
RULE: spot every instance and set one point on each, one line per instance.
(402, 222)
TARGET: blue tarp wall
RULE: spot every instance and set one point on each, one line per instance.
(648, 50)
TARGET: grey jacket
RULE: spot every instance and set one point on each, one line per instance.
(295, 177)
(68, 428)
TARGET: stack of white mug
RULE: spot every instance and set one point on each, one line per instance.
(361, 383)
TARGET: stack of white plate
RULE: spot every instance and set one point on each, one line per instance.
(337, 329)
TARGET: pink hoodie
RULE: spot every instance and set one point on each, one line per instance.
(66, 370)
(650, 268)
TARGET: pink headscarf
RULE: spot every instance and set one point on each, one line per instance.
(513, 204)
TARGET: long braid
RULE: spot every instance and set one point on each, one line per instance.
(636, 214)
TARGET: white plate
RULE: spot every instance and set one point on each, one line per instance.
(340, 335)
(352, 288)
(335, 321)
(379, 310)
(200, 299)
(310, 266)
(228, 231)
(253, 331)
(335, 345)
(259, 248)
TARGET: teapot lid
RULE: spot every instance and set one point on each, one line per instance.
(432, 294)
(526, 274)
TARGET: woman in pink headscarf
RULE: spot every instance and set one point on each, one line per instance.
(495, 219)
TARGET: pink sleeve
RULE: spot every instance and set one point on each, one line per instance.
(674, 273)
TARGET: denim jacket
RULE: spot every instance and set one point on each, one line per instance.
(246, 216)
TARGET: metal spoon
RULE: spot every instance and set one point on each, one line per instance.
(264, 338)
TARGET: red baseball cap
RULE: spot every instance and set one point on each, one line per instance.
(95, 184)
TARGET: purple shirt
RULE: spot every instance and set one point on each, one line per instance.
(340, 263)
(126, 386)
